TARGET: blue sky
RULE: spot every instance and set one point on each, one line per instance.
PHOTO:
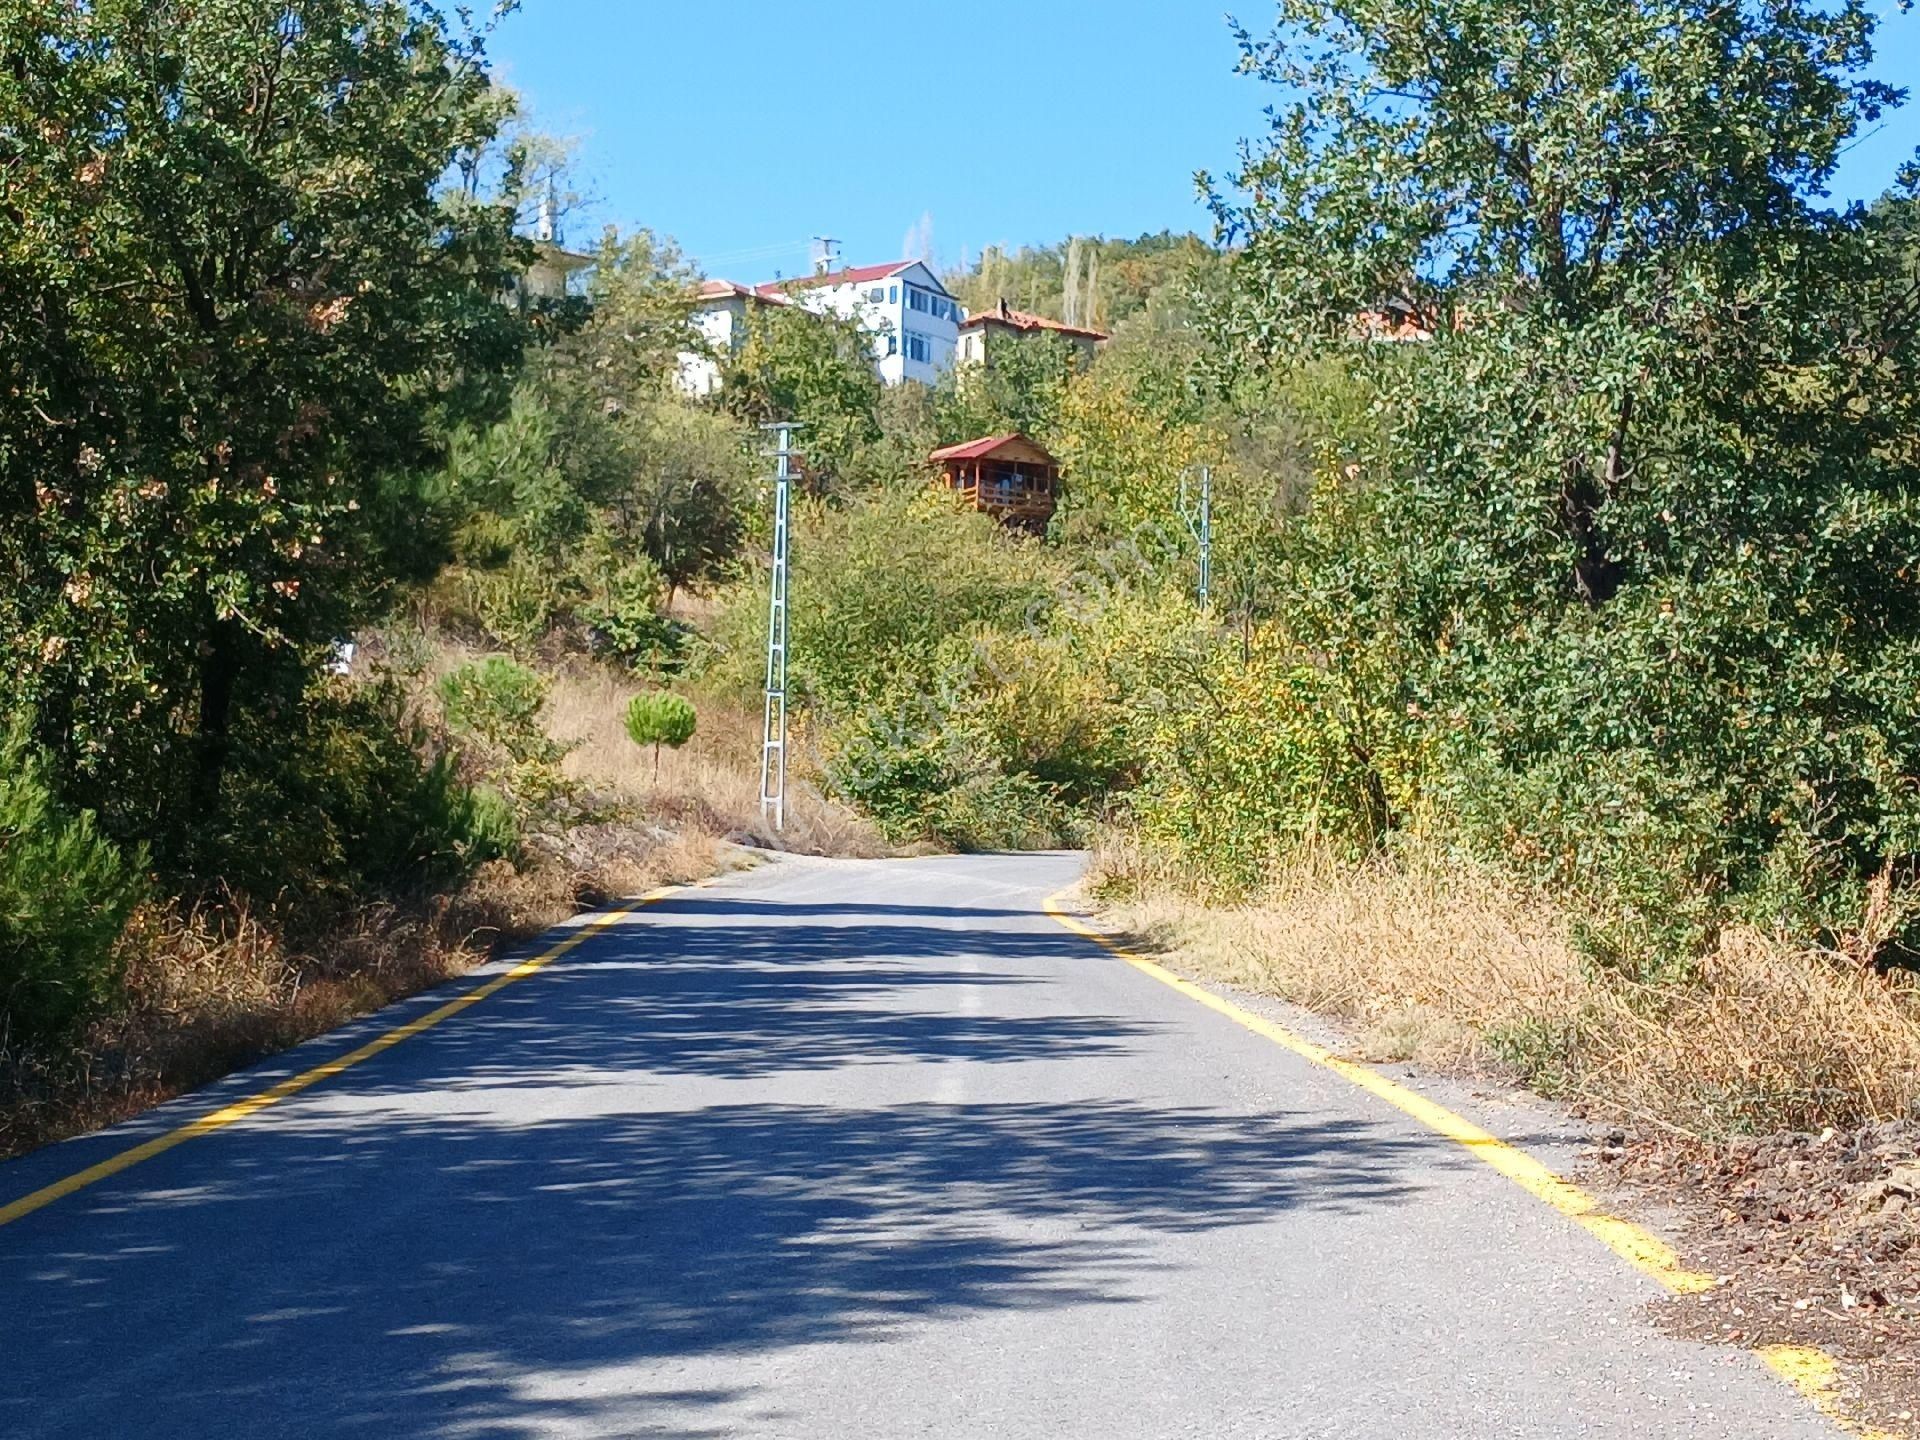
(744, 127)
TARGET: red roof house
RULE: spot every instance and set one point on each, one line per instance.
(1007, 476)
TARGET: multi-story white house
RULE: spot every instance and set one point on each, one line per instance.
(914, 323)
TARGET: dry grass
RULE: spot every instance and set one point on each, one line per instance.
(1770, 1039)
(213, 987)
(1455, 968)
(711, 785)
(713, 782)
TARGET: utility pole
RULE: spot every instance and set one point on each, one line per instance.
(773, 734)
(1201, 525)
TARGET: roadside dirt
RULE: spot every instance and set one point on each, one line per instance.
(1816, 1239)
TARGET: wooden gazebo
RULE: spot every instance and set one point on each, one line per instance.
(1008, 476)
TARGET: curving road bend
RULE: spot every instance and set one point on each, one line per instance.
(831, 1149)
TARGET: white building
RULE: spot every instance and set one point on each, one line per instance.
(720, 317)
(913, 321)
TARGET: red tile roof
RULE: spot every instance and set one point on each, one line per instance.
(980, 449)
(853, 275)
(725, 289)
(1025, 320)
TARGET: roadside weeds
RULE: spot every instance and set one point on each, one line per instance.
(1772, 1102)
(214, 987)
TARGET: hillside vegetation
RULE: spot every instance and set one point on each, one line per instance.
(1556, 688)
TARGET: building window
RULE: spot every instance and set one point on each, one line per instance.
(893, 345)
(875, 295)
(918, 348)
(893, 294)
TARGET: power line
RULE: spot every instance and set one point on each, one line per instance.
(755, 252)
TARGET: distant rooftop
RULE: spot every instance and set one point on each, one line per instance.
(777, 290)
(988, 446)
(727, 289)
(852, 275)
(1026, 320)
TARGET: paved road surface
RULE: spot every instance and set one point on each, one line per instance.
(832, 1150)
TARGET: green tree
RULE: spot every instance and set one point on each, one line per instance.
(1023, 389)
(1115, 285)
(603, 490)
(817, 370)
(65, 892)
(656, 718)
(1634, 539)
(238, 305)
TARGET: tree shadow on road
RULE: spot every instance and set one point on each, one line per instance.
(391, 1259)
(752, 989)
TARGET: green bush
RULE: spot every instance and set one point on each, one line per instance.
(994, 810)
(65, 894)
(349, 796)
(495, 704)
(924, 765)
(499, 700)
(882, 585)
(658, 718)
(624, 617)
(1271, 756)
(488, 829)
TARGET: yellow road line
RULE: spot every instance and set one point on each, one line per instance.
(1641, 1248)
(293, 1085)
(1814, 1373)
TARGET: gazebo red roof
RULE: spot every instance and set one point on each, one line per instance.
(986, 447)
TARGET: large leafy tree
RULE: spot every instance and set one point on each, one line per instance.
(1023, 389)
(603, 490)
(816, 369)
(1639, 547)
(240, 302)
(1594, 185)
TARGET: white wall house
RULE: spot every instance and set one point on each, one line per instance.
(912, 320)
(720, 318)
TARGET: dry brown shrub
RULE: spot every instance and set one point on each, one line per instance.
(1447, 963)
(1769, 1038)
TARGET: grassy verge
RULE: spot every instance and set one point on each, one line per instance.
(212, 987)
(215, 984)
(1459, 969)
(1770, 1101)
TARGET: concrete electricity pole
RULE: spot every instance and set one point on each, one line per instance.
(773, 734)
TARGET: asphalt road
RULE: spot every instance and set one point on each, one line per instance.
(831, 1150)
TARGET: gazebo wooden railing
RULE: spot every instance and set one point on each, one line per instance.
(1006, 476)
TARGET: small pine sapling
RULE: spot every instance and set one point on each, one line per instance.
(658, 718)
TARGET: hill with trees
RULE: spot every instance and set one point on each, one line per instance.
(1595, 605)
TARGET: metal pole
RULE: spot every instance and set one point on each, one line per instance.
(1206, 533)
(773, 734)
(1201, 526)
